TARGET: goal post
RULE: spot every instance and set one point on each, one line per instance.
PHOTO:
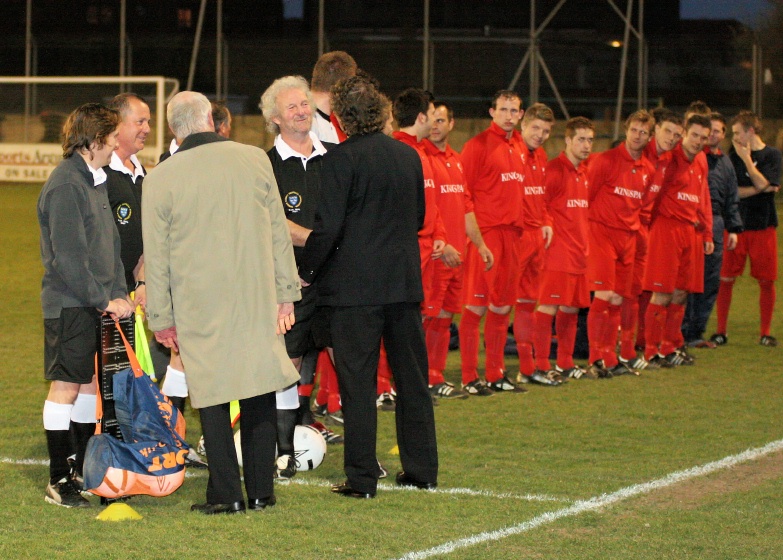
(40, 155)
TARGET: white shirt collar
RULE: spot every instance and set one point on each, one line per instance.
(287, 151)
(173, 147)
(117, 165)
(98, 175)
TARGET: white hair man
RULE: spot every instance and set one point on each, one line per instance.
(218, 197)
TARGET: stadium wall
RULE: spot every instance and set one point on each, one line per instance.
(33, 162)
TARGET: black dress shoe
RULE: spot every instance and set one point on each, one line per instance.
(346, 490)
(212, 509)
(262, 503)
(404, 479)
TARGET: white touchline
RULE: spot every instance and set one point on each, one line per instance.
(24, 461)
(452, 491)
(598, 501)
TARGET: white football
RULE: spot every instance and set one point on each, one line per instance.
(309, 448)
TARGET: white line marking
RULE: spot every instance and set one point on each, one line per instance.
(453, 491)
(24, 461)
(599, 501)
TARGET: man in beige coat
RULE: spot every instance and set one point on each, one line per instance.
(221, 282)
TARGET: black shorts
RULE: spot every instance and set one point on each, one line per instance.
(311, 329)
(70, 344)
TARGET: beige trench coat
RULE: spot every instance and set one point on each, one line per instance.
(218, 259)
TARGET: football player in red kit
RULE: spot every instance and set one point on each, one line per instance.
(536, 236)
(618, 182)
(672, 269)
(668, 131)
(563, 284)
(456, 209)
(494, 169)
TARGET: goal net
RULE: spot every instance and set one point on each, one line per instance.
(33, 110)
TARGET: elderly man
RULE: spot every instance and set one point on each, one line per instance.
(296, 160)
(225, 314)
(364, 251)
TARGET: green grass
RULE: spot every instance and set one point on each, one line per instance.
(575, 442)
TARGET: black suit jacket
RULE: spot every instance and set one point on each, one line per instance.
(364, 246)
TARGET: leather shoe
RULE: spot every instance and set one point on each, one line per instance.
(258, 504)
(404, 479)
(212, 509)
(346, 490)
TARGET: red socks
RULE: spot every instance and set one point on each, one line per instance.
(495, 332)
(469, 344)
(384, 373)
(610, 336)
(766, 304)
(672, 328)
(437, 337)
(596, 325)
(629, 313)
(565, 328)
(542, 339)
(655, 319)
(523, 335)
(644, 301)
(725, 291)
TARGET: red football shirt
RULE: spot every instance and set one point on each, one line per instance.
(685, 193)
(433, 224)
(451, 192)
(660, 162)
(566, 201)
(618, 184)
(533, 206)
(495, 170)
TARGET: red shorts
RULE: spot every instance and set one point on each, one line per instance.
(446, 290)
(498, 285)
(640, 260)
(610, 261)
(531, 256)
(670, 264)
(563, 288)
(762, 248)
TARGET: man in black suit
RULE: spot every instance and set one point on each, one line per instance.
(364, 250)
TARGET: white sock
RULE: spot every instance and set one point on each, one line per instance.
(83, 410)
(175, 384)
(57, 416)
(288, 399)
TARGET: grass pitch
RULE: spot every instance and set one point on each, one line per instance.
(505, 461)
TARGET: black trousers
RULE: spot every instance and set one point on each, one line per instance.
(356, 336)
(700, 306)
(258, 430)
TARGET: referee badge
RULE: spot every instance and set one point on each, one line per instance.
(123, 213)
(293, 200)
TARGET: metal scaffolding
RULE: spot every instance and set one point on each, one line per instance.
(535, 62)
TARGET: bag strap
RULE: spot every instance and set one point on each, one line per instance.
(98, 401)
(134, 361)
